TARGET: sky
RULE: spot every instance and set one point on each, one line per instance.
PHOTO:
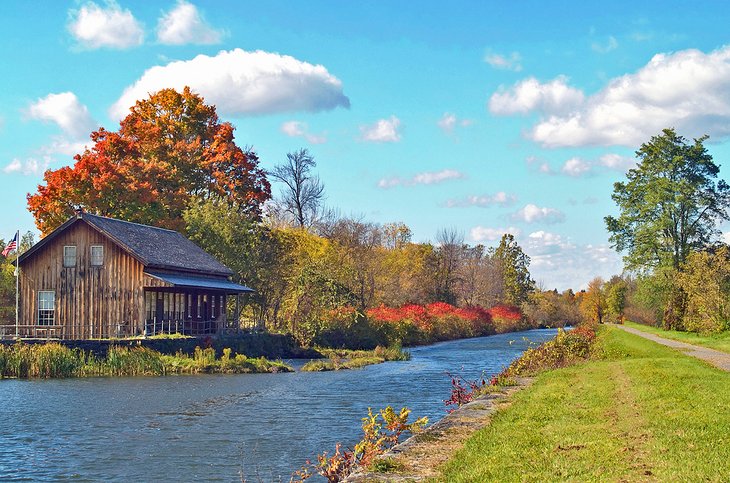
(485, 117)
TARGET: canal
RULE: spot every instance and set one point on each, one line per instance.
(222, 427)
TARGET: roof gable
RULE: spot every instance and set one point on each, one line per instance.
(153, 247)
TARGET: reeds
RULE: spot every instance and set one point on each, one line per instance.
(53, 360)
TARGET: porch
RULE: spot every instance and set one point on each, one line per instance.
(193, 306)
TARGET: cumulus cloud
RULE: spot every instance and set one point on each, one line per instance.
(383, 131)
(603, 48)
(689, 90)
(617, 162)
(184, 25)
(243, 83)
(66, 111)
(551, 98)
(480, 234)
(449, 121)
(31, 166)
(499, 198)
(300, 129)
(532, 213)
(504, 62)
(576, 167)
(428, 177)
(95, 27)
(558, 262)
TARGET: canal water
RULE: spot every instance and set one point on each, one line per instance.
(257, 427)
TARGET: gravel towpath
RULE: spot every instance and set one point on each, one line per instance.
(716, 358)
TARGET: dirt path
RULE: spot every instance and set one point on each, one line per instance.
(716, 358)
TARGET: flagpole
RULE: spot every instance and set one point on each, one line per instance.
(17, 277)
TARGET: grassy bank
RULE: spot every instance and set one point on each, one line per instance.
(718, 341)
(637, 411)
(340, 359)
(54, 360)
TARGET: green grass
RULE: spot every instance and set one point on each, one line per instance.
(642, 412)
(341, 359)
(719, 341)
(54, 360)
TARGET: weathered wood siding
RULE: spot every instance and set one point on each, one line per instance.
(91, 302)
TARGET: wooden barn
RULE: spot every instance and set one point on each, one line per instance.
(96, 277)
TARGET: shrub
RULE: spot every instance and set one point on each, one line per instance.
(381, 431)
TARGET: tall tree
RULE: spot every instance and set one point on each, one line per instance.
(669, 207)
(670, 204)
(303, 191)
(169, 150)
(515, 267)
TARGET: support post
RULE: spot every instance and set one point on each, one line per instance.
(17, 278)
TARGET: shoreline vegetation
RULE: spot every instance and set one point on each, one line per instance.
(53, 360)
(343, 359)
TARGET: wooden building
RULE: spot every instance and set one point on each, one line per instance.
(96, 277)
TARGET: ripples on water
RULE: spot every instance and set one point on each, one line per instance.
(217, 427)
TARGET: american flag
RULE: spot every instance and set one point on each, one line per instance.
(11, 246)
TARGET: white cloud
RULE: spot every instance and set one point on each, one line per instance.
(31, 166)
(500, 198)
(532, 213)
(725, 238)
(428, 177)
(603, 48)
(243, 83)
(383, 131)
(95, 27)
(184, 25)
(554, 97)
(576, 167)
(66, 111)
(300, 129)
(617, 162)
(558, 262)
(449, 121)
(510, 62)
(688, 90)
(480, 234)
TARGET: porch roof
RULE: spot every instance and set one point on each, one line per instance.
(191, 281)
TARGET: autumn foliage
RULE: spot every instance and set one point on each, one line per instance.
(170, 150)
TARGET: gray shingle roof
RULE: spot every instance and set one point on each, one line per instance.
(158, 247)
(154, 247)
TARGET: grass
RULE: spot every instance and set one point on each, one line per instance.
(638, 412)
(54, 360)
(719, 341)
(341, 359)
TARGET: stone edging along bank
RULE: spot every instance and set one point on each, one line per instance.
(419, 457)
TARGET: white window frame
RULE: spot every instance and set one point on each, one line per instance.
(99, 259)
(43, 306)
(66, 257)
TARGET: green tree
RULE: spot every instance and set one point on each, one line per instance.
(615, 290)
(514, 265)
(669, 206)
(705, 279)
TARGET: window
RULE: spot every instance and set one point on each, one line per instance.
(46, 307)
(69, 256)
(97, 255)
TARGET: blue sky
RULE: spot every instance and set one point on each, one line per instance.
(486, 117)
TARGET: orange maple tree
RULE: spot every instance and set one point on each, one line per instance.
(170, 149)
